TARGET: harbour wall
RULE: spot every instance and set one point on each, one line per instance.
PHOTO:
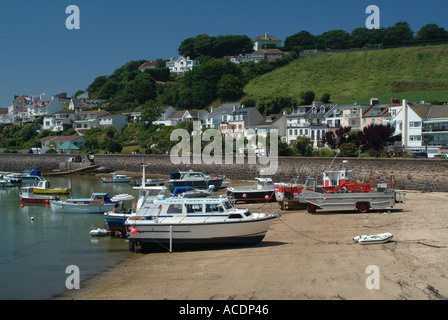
(409, 174)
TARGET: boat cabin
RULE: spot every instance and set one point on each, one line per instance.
(264, 183)
(96, 198)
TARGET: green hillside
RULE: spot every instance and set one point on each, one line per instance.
(415, 73)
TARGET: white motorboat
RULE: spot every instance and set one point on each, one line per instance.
(194, 179)
(117, 178)
(374, 238)
(97, 203)
(115, 220)
(193, 221)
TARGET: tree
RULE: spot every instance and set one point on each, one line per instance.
(431, 31)
(307, 97)
(230, 88)
(375, 137)
(143, 88)
(150, 113)
(302, 38)
(335, 139)
(401, 30)
(335, 39)
(303, 147)
(361, 37)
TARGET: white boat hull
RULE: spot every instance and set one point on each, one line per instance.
(374, 238)
(63, 207)
(230, 231)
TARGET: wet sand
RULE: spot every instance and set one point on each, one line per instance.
(303, 256)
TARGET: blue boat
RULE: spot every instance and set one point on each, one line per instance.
(31, 175)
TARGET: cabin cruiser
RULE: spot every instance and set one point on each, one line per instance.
(194, 221)
(194, 179)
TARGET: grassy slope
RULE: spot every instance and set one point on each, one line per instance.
(357, 76)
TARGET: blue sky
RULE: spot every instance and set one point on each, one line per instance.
(38, 54)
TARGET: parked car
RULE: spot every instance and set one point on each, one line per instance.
(419, 155)
(441, 156)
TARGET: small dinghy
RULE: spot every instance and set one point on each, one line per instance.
(374, 238)
(98, 232)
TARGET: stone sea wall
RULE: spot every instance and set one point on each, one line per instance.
(410, 174)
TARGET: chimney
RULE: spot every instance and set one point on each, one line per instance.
(266, 35)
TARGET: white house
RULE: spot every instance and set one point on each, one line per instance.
(59, 121)
(261, 41)
(118, 121)
(181, 64)
(88, 119)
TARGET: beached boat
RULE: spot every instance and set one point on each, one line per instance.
(339, 193)
(43, 187)
(27, 195)
(185, 221)
(262, 190)
(31, 175)
(117, 178)
(97, 203)
(194, 179)
(374, 238)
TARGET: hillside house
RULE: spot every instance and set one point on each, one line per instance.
(117, 121)
(266, 40)
(59, 121)
(86, 120)
(220, 115)
(181, 65)
(147, 65)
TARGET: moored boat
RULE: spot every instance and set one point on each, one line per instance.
(97, 203)
(43, 186)
(262, 190)
(27, 195)
(30, 175)
(117, 178)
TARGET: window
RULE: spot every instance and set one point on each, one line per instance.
(227, 205)
(213, 207)
(415, 138)
(175, 208)
(295, 131)
(290, 132)
(415, 124)
(194, 208)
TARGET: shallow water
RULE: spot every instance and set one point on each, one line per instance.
(34, 253)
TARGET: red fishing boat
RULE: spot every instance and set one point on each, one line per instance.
(28, 195)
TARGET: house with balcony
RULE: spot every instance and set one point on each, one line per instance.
(43, 108)
(272, 123)
(220, 115)
(435, 130)
(86, 120)
(181, 65)
(117, 121)
(59, 121)
(239, 120)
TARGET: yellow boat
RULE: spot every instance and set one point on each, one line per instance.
(44, 187)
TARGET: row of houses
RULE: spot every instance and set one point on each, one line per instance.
(61, 113)
(418, 126)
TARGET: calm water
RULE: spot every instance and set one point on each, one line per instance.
(35, 253)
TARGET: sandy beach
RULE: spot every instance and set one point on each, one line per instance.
(303, 256)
